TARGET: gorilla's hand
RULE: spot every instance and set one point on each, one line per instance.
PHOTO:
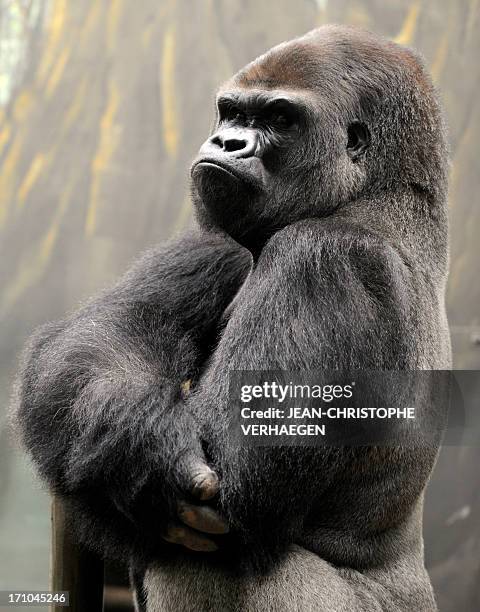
(161, 480)
(196, 519)
(202, 484)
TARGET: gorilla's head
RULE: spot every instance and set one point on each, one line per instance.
(315, 123)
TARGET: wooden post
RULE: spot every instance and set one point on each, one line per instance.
(73, 568)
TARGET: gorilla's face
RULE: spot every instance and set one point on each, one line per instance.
(272, 160)
(307, 127)
(277, 155)
(252, 162)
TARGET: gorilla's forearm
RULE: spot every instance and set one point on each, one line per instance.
(99, 399)
(94, 414)
(348, 307)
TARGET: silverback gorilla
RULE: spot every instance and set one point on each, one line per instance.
(322, 244)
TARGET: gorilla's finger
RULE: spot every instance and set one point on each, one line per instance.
(202, 518)
(202, 481)
(191, 539)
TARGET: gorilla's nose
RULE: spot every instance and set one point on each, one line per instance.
(239, 143)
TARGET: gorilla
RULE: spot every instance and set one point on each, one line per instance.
(321, 244)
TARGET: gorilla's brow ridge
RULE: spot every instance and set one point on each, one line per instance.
(259, 98)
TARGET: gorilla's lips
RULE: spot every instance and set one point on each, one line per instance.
(212, 167)
(242, 172)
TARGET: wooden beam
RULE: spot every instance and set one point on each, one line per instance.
(73, 568)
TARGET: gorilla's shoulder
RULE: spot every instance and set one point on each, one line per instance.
(310, 237)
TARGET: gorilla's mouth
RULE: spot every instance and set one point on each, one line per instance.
(239, 173)
(215, 166)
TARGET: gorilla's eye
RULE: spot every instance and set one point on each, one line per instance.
(279, 119)
(229, 112)
(280, 114)
(358, 139)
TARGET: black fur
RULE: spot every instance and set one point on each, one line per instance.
(343, 206)
(100, 398)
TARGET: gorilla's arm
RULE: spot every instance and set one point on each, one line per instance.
(347, 307)
(99, 402)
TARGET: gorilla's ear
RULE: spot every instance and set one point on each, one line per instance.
(358, 139)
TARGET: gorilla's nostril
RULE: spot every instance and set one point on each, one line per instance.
(217, 141)
(233, 144)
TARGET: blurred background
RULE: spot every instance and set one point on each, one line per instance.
(102, 106)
